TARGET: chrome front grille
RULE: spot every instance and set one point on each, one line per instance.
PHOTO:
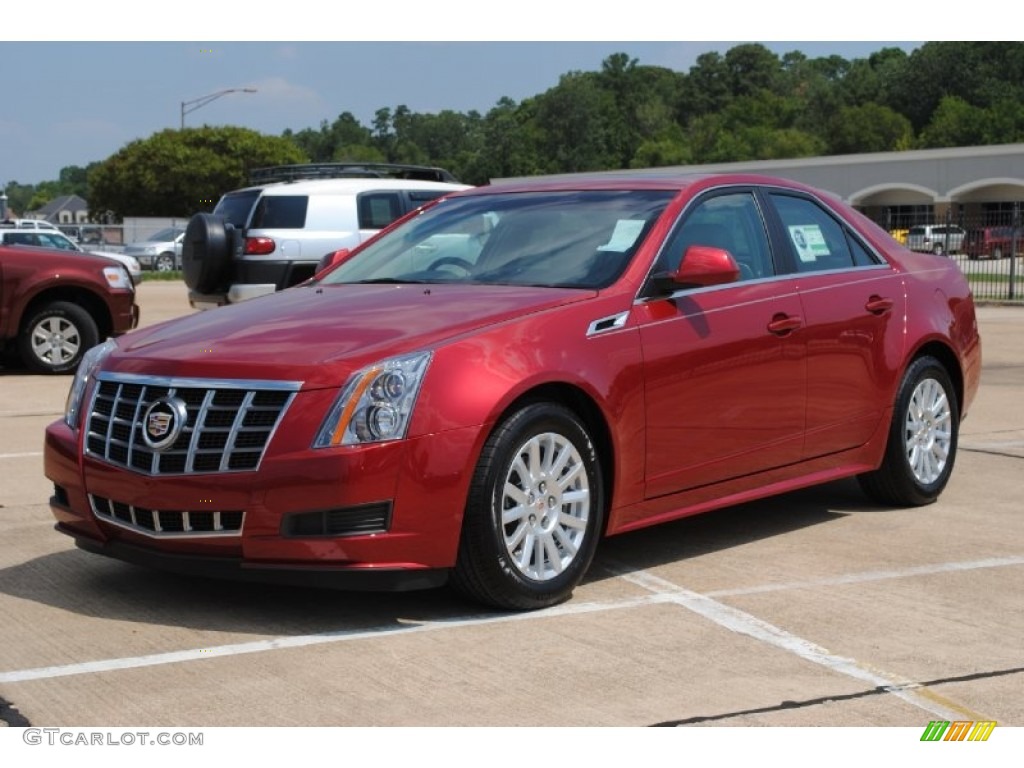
(169, 523)
(228, 426)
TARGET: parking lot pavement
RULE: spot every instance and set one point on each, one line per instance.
(814, 608)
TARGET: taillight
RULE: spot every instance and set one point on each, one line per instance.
(259, 246)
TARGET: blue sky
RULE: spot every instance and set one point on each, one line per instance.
(85, 85)
(82, 101)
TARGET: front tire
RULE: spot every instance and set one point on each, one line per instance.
(54, 338)
(922, 443)
(535, 511)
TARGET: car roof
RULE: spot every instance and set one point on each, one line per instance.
(654, 179)
(348, 186)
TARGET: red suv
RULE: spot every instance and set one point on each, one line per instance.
(992, 242)
(56, 305)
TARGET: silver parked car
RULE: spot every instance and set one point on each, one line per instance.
(936, 238)
(162, 251)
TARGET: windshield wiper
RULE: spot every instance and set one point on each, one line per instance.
(386, 281)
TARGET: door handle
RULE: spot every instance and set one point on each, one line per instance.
(877, 305)
(782, 324)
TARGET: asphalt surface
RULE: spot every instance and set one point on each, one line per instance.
(814, 608)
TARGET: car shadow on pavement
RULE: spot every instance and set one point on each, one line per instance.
(726, 528)
(93, 586)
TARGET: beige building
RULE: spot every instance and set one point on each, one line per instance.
(973, 186)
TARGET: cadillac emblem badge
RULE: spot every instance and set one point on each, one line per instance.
(163, 421)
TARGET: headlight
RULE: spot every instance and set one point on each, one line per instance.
(375, 405)
(117, 277)
(90, 362)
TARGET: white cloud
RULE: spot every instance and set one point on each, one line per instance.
(277, 91)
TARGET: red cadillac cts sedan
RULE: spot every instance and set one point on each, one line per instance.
(490, 386)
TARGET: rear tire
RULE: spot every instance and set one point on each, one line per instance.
(921, 449)
(54, 338)
(164, 263)
(535, 511)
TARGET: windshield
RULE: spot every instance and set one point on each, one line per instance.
(554, 239)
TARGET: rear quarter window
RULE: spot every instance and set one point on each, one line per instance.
(378, 209)
(280, 212)
(237, 206)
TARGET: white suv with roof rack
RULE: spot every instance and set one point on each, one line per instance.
(28, 224)
(274, 234)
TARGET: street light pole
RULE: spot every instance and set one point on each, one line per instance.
(202, 101)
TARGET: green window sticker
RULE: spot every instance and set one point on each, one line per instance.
(809, 242)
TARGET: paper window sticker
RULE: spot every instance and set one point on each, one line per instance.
(625, 235)
(808, 241)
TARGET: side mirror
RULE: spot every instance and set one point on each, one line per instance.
(700, 266)
(330, 259)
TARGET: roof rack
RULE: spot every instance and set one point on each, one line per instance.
(351, 170)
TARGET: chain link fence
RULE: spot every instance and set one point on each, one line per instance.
(114, 237)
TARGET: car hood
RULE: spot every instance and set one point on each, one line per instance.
(318, 334)
(122, 257)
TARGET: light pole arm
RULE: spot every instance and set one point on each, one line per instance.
(202, 101)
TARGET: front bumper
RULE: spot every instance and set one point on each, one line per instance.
(356, 578)
(424, 481)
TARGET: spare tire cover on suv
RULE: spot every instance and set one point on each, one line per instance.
(207, 252)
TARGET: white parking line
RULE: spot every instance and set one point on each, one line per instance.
(661, 591)
(866, 576)
(300, 641)
(20, 455)
(744, 623)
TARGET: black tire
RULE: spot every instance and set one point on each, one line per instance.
(206, 253)
(920, 452)
(500, 562)
(164, 263)
(54, 337)
(453, 261)
(938, 249)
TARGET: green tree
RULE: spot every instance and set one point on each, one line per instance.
(752, 68)
(868, 128)
(327, 143)
(979, 73)
(575, 120)
(18, 197)
(509, 144)
(706, 89)
(955, 123)
(176, 173)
